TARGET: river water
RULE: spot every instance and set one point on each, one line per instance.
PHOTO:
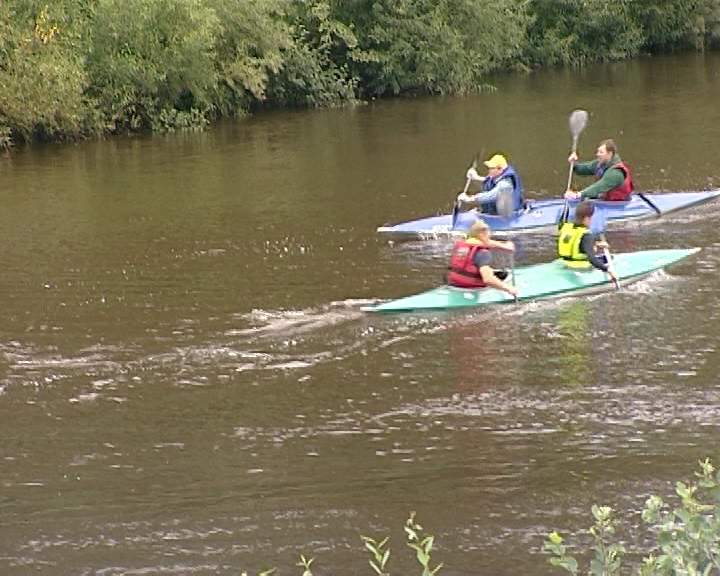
(188, 384)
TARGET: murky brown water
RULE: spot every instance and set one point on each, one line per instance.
(188, 386)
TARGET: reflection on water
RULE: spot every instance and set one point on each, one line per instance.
(188, 385)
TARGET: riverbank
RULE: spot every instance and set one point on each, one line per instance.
(75, 69)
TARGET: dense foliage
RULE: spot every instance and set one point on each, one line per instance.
(687, 538)
(79, 67)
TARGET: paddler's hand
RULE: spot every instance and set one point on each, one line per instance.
(573, 158)
(462, 197)
(473, 175)
(612, 275)
(512, 290)
(571, 195)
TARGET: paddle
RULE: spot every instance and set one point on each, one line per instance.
(577, 121)
(597, 227)
(456, 205)
(512, 274)
(608, 257)
(649, 203)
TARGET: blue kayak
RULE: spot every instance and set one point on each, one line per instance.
(540, 281)
(543, 216)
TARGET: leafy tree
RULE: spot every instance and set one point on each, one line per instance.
(250, 48)
(570, 32)
(77, 67)
(706, 24)
(666, 24)
(41, 74)
(152, 62)
(315, 71)
(435, 46)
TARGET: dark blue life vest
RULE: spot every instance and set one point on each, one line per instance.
(517, 193)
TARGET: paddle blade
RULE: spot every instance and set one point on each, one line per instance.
(578, 120)
(598, 223)
(649, 203)
(504, 204)
(611, 266)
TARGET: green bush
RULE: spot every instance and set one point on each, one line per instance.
(687, 537)
(150, 57)
(42, 77)
(666, 24)
(315, 63)
(76, 67)
(250, 49)
(705, 24)
(571, 32)
(441, 47)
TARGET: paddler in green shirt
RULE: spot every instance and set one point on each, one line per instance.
(613, 180)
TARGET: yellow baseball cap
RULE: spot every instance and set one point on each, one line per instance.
(497, 161)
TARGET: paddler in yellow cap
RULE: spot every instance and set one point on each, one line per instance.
(502, 191)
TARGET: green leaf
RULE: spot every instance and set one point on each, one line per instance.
(427, 543)
(682, 490)
(567, 563)
(597, 568)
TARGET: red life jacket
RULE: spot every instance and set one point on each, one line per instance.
(463, 271)
(625, 190)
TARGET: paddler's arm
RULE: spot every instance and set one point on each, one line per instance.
(587, 246)
(585, 168)
(505, 185)
(504, 245)
(493, 281)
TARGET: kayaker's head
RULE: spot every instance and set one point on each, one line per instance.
(480, 230)
(584, 212)
(495, 165)
(605, 151)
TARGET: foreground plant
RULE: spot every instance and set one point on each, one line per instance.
(688, 537)
(417, 540)
(380, 554)
(608, 557)
(421, 544)
(305, 565)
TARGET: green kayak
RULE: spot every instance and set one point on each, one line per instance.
(548, 280)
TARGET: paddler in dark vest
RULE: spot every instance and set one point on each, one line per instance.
(613, 180)
(471, 258)
(577, 246)
(502, 191)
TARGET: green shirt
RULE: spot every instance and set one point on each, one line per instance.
(612, 178)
